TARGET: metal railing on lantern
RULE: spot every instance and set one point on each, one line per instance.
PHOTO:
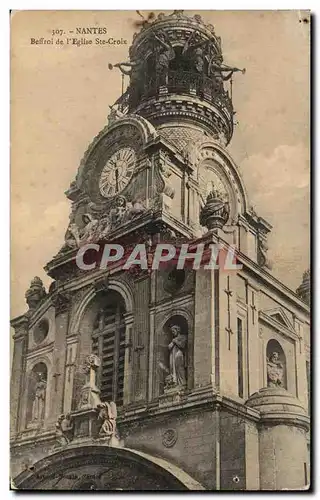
(190, 83)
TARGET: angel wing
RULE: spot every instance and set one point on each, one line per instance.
(113, 409)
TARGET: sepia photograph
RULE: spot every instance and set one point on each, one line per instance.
(160, 250)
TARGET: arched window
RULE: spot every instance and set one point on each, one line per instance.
(108, 343)
(37, 389)
(276, 365)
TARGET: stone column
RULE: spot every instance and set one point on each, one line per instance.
(20, 340)
(302, 386)
(151, 344)
(71, 356)
(204, 331)
(127, 380)
(61, 303)
(140, 339)
(254, 342)
(282, 439)
(228, 343)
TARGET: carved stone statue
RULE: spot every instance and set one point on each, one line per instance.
(104, 227)
(197, 51)
(135, 70)
(262, 256)
(177, 356)
(217, 71)
(107, 419)
(64, 429)
(72, 236)
(38, 404)
(274, 371)
(90, 394)
(165, 174)
(89, 232)
(118, 212)
(114, 114)
(100, 320)
(137, 209)
(165, 54)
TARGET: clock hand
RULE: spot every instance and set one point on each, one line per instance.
(117, 179)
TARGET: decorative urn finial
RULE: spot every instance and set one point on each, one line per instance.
(35, 293)
(303, 291)
(215, 212)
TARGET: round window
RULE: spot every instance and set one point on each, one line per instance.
(175, 280)
(41, 331)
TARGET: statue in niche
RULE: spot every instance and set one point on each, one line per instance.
(165, 54)
(38, 404)
(198, 51)
(274, 371)
(177, 357)
(100, 320)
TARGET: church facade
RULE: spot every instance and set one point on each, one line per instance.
(169, 378)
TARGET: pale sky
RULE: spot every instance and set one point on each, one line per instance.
(60, 97)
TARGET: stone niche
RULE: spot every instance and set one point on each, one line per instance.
(173, 357)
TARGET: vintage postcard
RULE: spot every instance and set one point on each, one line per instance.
(160, 297)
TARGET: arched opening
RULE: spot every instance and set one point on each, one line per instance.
(276, 365)
(36, 397)
(104, 468)
(174, 354)
(108, 343)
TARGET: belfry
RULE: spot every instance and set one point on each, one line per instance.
(163, 379)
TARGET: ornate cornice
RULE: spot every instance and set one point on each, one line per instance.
(20, 325)
(216, 116)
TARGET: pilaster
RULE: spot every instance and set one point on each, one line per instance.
(20, 339)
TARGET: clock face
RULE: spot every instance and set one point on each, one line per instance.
(117, 172)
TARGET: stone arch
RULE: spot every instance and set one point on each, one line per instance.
(238, 183)
(82, 324)
(274, 346)
(145, 128)
(106, 467)
(116, 284)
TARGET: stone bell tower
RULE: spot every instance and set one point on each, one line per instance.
(177, 362)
